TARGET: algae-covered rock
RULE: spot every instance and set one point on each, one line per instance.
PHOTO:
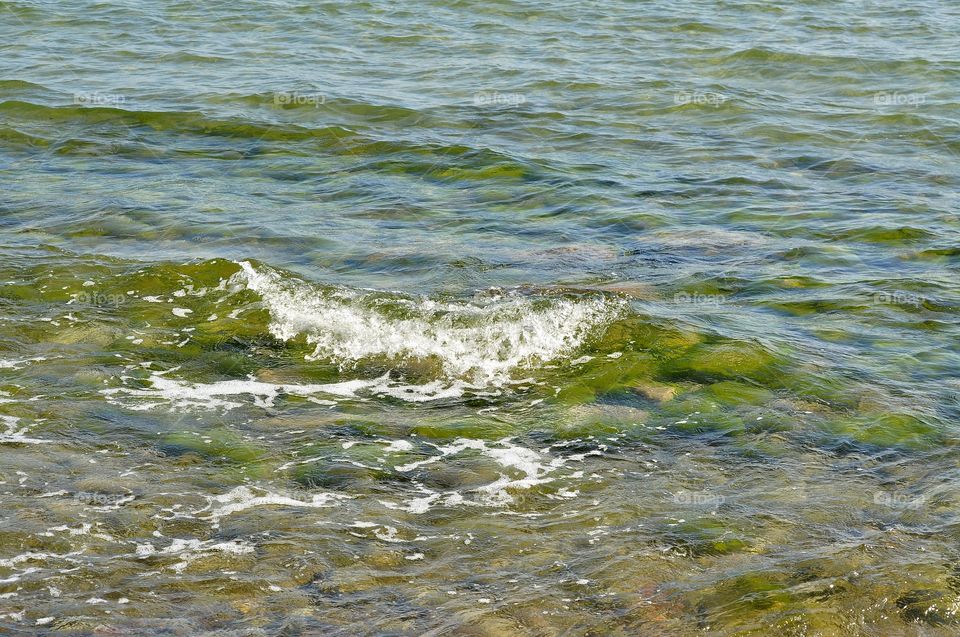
(459, 475)
(597, 418)
(660, 392)
(768, 423)
(634, 289)
(885, 430)
(469, 427)
(756, 590)
(20, 292)
(715, 423)
(100, 334)
(339, 474)
(719, 361)
(763, 447)
(219, 444)
(929, 606)
(100, 485)
(385, 559)
(734, 393)
(817, 384)
(617, 370)
(662, 341)
(692, 404)
(227, 363)
(707, 536)
(576, 394)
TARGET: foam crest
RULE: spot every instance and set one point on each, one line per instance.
(480, 341)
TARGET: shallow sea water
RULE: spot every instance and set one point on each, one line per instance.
(463, 318)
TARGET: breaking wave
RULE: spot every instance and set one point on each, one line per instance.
(481, 341)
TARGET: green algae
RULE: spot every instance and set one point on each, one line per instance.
(706, 536)
(215, 444)
(752, 592)
(465, 427)
(720, 361)
(928, 606)
(338, 474)
(735, 393)
(597, 418)
(885, 430)
(657, 391)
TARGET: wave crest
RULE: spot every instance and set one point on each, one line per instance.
(483, 340)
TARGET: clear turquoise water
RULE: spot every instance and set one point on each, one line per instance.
(479, 318)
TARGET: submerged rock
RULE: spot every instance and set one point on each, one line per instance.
(885, 430)
(929, 606)
(634, 289)
(720, 361)
(597, 418)
(707, 536)
(732, 392)
(334, 475)
(660, 392)
(219, 444)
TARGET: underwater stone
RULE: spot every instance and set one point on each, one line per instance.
(724, 361)
(732, 392)
(212, 444)
(660, 392)
(928, 606)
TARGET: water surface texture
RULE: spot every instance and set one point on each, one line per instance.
(479, 318)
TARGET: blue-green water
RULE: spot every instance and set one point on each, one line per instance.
(479, 318)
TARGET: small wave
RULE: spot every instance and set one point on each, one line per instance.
(481, 341)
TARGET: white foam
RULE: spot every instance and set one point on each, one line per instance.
(480, 341)
(189, 550)
(395, 446)
(527, 462)
(19, 364)
(387, 534)
(185, 394)
(242, 498)
(17, 436)
(23, 557)
(416, 506)
(456, 447)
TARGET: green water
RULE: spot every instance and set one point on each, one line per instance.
(479, 318)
